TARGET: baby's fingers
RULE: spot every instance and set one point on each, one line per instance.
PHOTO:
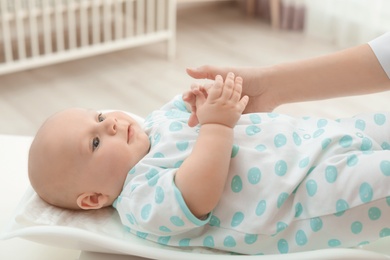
(228, 86)
(237, 89)
(243, 103)
(216, 89)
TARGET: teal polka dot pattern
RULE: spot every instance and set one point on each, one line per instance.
(374, 213)
(385, 232)
(352, 160)
(356, 227)
(341, 207)
(325, 143)
(184, 242)
(316, 224)
(255, 118)
(360, 124)
(145, 212)
(236, 185)
(385, 167)
(280, 140)
(281, 168)
(208, 241)
(331, 174)
(252, 130)
(254, 175)
(182, 145)
(235, 150)
(297, 139)
(165, 229)
(238, 217)
(346, 141)
(281, 199)
(366, 192)
(177, 221)
(229, 241)
(301, 238)
(164, 240)
(380, 119)
(261, 207)
(175, 127)
(304, 162)
(283, 246)
(334, 243)
(311, 187)
(366, 144)
(250, 238)
(215, 221)
(261, 147)
(322, 123)
(298, 209)
(280, 226)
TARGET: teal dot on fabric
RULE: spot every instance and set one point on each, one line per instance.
(300, 238)
(132, 171)
(366, 144)
(175, 126)
(352, 160)
(145, 211)
(385, 167)
(280, 226)
(325, 143)
(164, 229)
(272, 115)
(306, 136)
(177, 221)
(158, 155)
(363, 243)
(235, 150)
(388, 201)
(282, 198)
(304, 162)
(318, 133)
(255, 118)
(311, 187)
(283, 246)
(334, 243)
(156, 139)
(374, 213)
(164, 240)
(341, 207)
(297, 139)
(356, 227)
(366, 192)
(229, 241)
(360, 124)
(385, 146)
(182, 145)
(254, 175)
(252, 130)
(215, 221)
(331, 174)
(185, 242)
(281, 168)
(298, 209)
(208, 241)
(345, 141)
(280, 140)
(141, 234)
(179, 104)
(178, 164)
(379, 119)
(130, 218)
(261, 147)
(250, 238)
(385, 232)
(322, 123)
(316, 224)
(236, 184)
(159, 195)
(151, 173)
(237, 219)
(153, 181)
(261, 207)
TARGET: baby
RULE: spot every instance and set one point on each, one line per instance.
(256, 183)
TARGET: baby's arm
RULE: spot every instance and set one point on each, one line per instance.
(202, 177)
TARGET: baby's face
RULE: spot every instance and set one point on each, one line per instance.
(103, 147)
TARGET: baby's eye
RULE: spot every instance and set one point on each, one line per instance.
(95, 143)
(101, 117)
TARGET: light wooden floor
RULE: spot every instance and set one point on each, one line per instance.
(141, 79)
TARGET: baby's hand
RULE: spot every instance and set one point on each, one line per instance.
(223, 105)
(190, 98)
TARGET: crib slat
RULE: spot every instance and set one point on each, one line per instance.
(118, 16)
(59, 26)
(161, 7)
(33, 28)
(150, 15)
(107, 34)
(96, 21)
(47, 42)
(6, 32)
(140, 19)
(83, 23)
(71, 25)
(129, 16)
(20, 35)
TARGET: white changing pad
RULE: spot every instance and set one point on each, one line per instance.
(101, 231)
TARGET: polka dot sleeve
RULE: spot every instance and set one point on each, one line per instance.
(381, 48)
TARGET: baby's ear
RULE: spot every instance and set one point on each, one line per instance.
(91, 200)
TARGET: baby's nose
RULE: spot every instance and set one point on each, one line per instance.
(111, 125)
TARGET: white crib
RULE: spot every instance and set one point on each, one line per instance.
(35, 33)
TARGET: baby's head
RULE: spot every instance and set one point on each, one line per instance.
(79, 158)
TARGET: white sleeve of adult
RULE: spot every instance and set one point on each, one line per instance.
(381, 48)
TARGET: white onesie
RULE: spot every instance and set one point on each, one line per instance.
(294, 184)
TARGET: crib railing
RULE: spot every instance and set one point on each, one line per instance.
(40, 32)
